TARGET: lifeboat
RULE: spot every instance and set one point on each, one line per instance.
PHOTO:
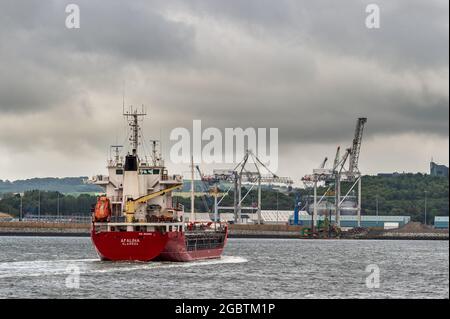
(102, 210)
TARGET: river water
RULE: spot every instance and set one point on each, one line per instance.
(47, 267)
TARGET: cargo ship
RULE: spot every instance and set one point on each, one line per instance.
(138, 219)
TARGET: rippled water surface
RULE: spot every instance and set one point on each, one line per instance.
(39, 267)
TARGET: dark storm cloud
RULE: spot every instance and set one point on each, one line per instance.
(309, 68)
(411, 44)
(413, 32)
(42, 59)
(130, 32)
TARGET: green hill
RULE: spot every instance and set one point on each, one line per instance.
(62, 185)
(402, 194)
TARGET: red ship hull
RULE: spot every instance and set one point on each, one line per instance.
(139, 246)
(147, 246)
(176, 250)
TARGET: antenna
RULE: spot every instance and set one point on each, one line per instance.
(133, 116)
(155, 157)
(160, 145)
(123, 97)
(116, 152)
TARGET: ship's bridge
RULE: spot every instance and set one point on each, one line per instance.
(164, 177)
(171, 179)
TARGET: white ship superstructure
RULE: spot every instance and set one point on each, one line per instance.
(137, 219)
(131, 177)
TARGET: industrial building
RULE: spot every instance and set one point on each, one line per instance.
(438, 170)
(441, 222)
(286, 217)
(267, 216)
(348, 221)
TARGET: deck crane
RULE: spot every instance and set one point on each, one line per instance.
(132, 204)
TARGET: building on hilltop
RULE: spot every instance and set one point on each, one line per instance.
(438, 170)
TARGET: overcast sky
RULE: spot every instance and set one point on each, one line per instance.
(309, 68)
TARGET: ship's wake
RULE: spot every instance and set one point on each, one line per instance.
(37, 268)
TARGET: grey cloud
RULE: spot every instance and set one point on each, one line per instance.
(413, 32)
(321, 115)
(134, 30)
(307, 67)
(130, 32)
(45, 64)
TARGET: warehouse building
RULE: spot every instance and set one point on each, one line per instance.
(348, 221)
(441, 222)
(286, 217)
(438, 170)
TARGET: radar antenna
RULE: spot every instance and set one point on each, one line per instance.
(156, 157)
(132, 116)
(116, 149)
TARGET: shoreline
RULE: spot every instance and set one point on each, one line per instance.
(411, 231)
(249, 236)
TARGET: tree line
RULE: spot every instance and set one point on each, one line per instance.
(36, 202)
(402, 194)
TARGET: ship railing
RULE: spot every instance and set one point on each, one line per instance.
(137, 224)
(206, 231)
(205, 242)
(206, 224)
(69, 219)
(109, 226)
(172, 178)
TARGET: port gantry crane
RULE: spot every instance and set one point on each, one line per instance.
(208, 188)
(338, 174)
(243, 174)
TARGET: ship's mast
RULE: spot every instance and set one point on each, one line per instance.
(156, 159)
(133, 120)
(192, 191)
(116, 149)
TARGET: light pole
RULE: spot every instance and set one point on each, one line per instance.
(329, 219)
(277, 207)
(57, 205)
(376, 203)
(39, 205)
(425, 217)
(21, 207)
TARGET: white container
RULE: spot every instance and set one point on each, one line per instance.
(391, 225)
